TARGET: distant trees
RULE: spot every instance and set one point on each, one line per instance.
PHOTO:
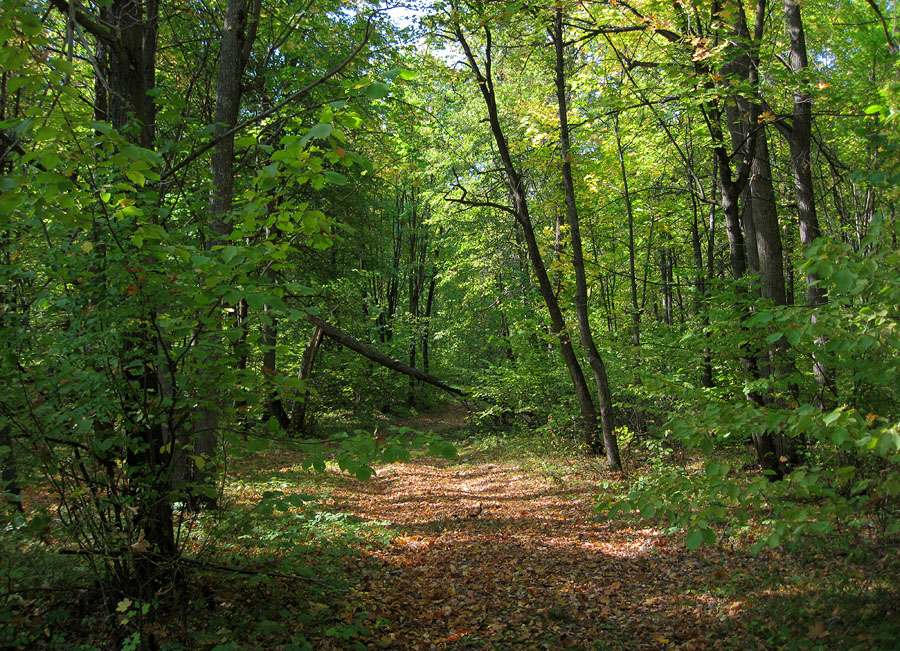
(731, 92)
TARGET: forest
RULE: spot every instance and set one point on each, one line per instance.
(337, 324)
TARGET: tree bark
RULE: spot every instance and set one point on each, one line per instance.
(595, 361)
(238, 34)
(520, 209)
(299, 415)
(640, 421)
(801, 165)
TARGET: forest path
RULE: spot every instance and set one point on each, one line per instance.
(489, 552)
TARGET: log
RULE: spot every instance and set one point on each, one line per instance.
(380, 358)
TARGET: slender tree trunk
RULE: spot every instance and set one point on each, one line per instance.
(640, 421)
(300, 414)
(238, 33)
(516, 185)
(700, 303)
(604, 394)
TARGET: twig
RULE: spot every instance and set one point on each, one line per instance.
(275, 575)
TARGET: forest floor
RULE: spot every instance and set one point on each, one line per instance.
(499, 548)
(502, 549)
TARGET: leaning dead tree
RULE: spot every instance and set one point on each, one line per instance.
(346, 340)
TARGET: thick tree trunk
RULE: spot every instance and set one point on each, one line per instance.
(131, 47)
(755, 239)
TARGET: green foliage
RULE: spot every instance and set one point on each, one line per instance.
(849, 475)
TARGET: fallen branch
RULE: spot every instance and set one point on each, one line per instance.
(238, 570)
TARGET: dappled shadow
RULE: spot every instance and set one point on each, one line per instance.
(486, 553)
(495, 555)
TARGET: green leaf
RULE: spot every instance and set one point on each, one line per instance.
(377, 90)
(335, 177)
(830, 417)
(839, 435)
(694, 539)
(843, 280)
(319, 132)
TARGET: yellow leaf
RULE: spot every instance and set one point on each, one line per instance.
(87, 247)
(124, 605)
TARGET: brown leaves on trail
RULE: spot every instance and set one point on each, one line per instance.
(532, 568)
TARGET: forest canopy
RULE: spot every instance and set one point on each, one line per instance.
(660, 234)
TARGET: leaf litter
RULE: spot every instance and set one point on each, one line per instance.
(491, 551)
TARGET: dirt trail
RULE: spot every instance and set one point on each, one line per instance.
(494, 555)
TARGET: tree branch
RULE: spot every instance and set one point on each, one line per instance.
(276, 107)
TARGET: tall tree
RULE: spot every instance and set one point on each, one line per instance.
(595, 361)
(483, 73)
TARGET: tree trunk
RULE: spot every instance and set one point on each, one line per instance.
(595, 361)
(801, 166)
(516, 186)
(640, 421)
(238, 34)
(299, 415)
(130, 44)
